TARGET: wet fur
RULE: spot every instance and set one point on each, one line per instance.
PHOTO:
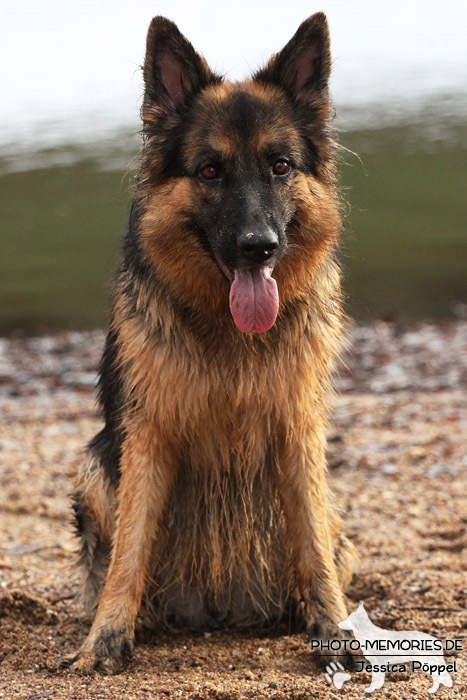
(205, 491)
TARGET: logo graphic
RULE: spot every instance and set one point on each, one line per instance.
(337, 675)
(386, 651)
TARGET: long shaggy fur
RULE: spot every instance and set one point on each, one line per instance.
(203, 501)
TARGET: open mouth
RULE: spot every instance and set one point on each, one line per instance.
(253, 298)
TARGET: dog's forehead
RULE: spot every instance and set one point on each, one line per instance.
(232, 115)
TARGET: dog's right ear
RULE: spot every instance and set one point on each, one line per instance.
(173, 71)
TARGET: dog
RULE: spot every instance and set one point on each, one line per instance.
(203, 501)
(368, 635)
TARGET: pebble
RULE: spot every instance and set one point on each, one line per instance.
(436, 470)
(383, 357)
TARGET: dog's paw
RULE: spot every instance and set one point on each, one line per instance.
(83, 663)
(109, 655)
(332, 646)
(336, 675)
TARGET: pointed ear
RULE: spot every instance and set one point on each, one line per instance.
(303, 66)
(173, 71)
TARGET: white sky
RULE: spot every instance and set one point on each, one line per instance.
(69, 60)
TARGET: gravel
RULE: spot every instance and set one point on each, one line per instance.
(397, 462)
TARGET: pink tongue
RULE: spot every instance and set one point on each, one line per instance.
(254, 300)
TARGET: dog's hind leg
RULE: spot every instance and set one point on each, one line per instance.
(435, 686)
(93, 503)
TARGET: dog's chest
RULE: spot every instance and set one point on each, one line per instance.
(226, 398)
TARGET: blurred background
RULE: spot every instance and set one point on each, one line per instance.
(69, 123)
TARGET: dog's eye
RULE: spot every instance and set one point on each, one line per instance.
(209, 172)
(281, 167)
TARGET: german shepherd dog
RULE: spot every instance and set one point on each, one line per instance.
(203, 501)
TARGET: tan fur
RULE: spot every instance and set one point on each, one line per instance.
(222, 499)
(98, 495)
(232, 418)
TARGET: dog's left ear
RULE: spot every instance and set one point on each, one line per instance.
(303, 66)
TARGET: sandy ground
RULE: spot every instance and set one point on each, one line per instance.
(397, 461)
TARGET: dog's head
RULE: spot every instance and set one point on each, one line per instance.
(238, 178)
(358, 621)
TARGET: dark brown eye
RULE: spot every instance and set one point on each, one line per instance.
(281, 167)
(209, 172)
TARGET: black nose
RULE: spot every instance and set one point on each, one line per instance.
(257, 247)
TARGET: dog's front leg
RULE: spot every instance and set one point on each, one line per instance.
(303, 493)
(377, 681)
(147, 471)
